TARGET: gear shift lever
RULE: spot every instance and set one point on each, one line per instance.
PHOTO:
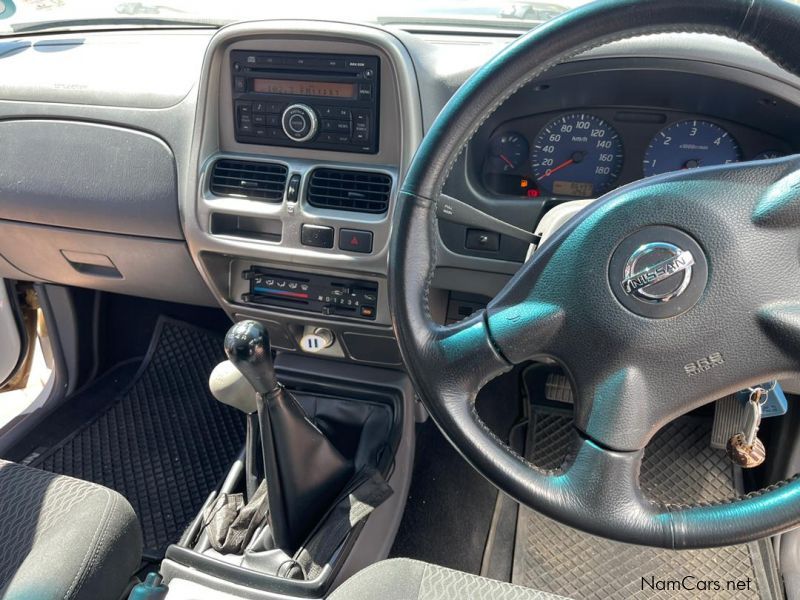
(304, 471)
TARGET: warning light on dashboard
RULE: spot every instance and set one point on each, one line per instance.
(523, 183)
(533, 193)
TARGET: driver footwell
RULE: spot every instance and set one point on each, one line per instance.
(679, 467)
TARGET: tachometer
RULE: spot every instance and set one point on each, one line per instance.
(688, 145)
(577, 154)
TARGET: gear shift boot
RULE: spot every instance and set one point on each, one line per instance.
(305, 473)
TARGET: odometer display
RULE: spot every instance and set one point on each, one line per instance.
(688, 145)
(578, 155)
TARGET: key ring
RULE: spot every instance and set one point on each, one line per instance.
(764, 394)
(766, 391)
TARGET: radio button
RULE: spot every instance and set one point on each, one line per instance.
(274, 107)
(259, 107)
(360, 117)
(259, 120)
(245, 128)
(361, 136)
(365, 91)
(270, 60)
(334, 125)
(244, 108)
(273, 121)
(239, 84)
(299, 122)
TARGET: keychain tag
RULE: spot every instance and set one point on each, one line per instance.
(775, 405)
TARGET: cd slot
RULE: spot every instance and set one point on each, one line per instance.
(295, 73)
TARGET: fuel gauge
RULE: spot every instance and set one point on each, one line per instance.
(507, 151)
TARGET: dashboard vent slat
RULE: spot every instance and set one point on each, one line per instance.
(356, 191)
(245, 179)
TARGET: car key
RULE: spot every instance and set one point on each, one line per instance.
(744, 448)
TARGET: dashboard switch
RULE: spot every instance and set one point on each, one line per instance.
(293, 189)
(355, 240)
(480, 239)
(318, 236)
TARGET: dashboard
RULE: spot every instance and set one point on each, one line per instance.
(256, 167)
(588, 151)
(597, 130)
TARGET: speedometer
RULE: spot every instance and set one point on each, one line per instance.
(688, 145)
(577, 154)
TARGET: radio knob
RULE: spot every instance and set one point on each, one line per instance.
(299, 122)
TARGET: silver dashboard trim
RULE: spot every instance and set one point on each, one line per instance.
(209, 144)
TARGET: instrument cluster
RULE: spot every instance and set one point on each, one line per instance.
(586, 153)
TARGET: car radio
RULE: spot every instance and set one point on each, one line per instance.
(325, 101)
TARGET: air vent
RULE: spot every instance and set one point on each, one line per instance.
(244, 179)
(356, 191)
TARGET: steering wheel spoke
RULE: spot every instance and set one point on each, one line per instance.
(464, 354)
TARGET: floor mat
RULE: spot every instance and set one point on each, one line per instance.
(449, 511)
(679, 466)
(164, 442)
(449, 508)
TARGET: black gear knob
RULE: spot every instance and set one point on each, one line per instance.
(247, 347)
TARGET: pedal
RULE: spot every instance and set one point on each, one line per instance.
(729, 418)
(558, 389)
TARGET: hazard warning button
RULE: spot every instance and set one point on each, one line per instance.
(355, 240)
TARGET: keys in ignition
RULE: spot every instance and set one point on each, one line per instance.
(744, 448)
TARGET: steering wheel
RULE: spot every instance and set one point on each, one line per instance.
(662, 296)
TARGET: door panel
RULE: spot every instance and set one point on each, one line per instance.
(11, 346)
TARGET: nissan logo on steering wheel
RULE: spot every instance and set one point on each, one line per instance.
(658, 272)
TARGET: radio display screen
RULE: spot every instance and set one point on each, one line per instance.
(305, 88)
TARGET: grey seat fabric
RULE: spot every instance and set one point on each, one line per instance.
(405, 579)
(63, 538)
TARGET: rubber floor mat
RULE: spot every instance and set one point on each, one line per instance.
(679, 466)
(164, 442)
